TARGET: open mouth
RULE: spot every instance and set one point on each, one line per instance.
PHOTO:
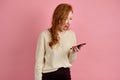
(66, 27)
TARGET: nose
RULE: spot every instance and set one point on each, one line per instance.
(68, 21)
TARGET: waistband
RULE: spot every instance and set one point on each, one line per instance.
(59, 69)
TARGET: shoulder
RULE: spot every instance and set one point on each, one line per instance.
(71, 32)
(44, 32)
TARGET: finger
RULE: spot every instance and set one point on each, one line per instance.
(76, 49)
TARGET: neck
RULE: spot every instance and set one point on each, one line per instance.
(62, 30)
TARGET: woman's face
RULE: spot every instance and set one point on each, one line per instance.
(67, 21)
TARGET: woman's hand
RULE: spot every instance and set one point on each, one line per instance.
(75, 49)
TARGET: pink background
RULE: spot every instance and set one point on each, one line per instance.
(96, 22)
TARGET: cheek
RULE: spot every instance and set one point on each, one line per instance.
(67, 21)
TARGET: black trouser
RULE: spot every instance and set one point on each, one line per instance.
(60, 74)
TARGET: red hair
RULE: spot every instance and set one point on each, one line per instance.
(58, 19)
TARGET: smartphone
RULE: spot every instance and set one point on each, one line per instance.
(78, 46)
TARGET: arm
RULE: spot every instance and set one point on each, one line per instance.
(72, 54)
(39, 57)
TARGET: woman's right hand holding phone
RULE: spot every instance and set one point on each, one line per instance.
(77, 47)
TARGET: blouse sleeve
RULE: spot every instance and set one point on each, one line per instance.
(72, 55)
(39, 57)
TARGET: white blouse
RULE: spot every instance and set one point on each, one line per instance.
(50, 59)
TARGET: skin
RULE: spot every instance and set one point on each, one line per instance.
(66, 26)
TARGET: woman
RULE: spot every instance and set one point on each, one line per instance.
(56, 48)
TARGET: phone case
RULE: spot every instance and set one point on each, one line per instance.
(78, 46)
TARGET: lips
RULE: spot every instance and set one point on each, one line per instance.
(66, 27)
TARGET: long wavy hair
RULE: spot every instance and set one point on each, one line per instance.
(58, 19)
